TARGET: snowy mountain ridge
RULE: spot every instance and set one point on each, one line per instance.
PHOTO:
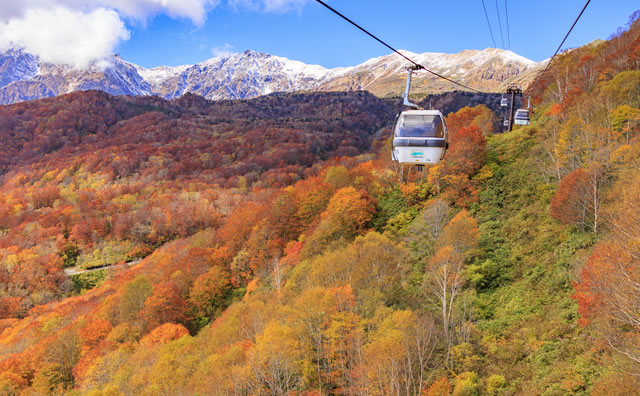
(249, 74)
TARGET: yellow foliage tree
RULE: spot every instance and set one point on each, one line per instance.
(276, 360)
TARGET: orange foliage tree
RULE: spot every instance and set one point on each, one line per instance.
(347, 215)
(163, 334)
(478, 116)
(461, 233)
(608, 293)
(94, 332)
(441, 387)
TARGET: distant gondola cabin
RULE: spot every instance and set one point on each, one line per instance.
(521, 117)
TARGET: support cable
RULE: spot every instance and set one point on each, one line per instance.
(506, 15)
(489, 24)
(500, 24)
(560, 46)
(417, 65)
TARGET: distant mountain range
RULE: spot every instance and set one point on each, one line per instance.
(249, 74)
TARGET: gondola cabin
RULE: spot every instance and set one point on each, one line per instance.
(504, 102)
(420, 137)
(521, 117)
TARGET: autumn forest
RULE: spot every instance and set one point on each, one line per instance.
(267, 247)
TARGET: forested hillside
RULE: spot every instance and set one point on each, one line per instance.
(281, 256)
(89, 179)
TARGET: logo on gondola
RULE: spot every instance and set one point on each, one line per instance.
(417, 154)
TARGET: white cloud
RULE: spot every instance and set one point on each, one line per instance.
(284, 5)
(195, 10)
(279, 6)
(222, 51)
(63, 36)
(83, 32)
(253, 5)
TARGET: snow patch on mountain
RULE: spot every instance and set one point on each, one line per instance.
(158, 75)
(17, 65)
(250, 73)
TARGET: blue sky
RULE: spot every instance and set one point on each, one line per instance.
(175, 32)
(314, 35)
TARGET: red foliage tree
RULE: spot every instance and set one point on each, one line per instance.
(45, 196)
(166, 304)
(467, 151)
(577, 200)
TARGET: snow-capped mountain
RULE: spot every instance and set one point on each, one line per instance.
(250, 74)
(487, 70)
(237, 76)
(16, 65)
(24, 77)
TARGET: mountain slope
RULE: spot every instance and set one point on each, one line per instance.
(250, 74)
(485, 274)
(86, 123)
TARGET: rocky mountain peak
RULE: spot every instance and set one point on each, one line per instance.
(249, 74)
